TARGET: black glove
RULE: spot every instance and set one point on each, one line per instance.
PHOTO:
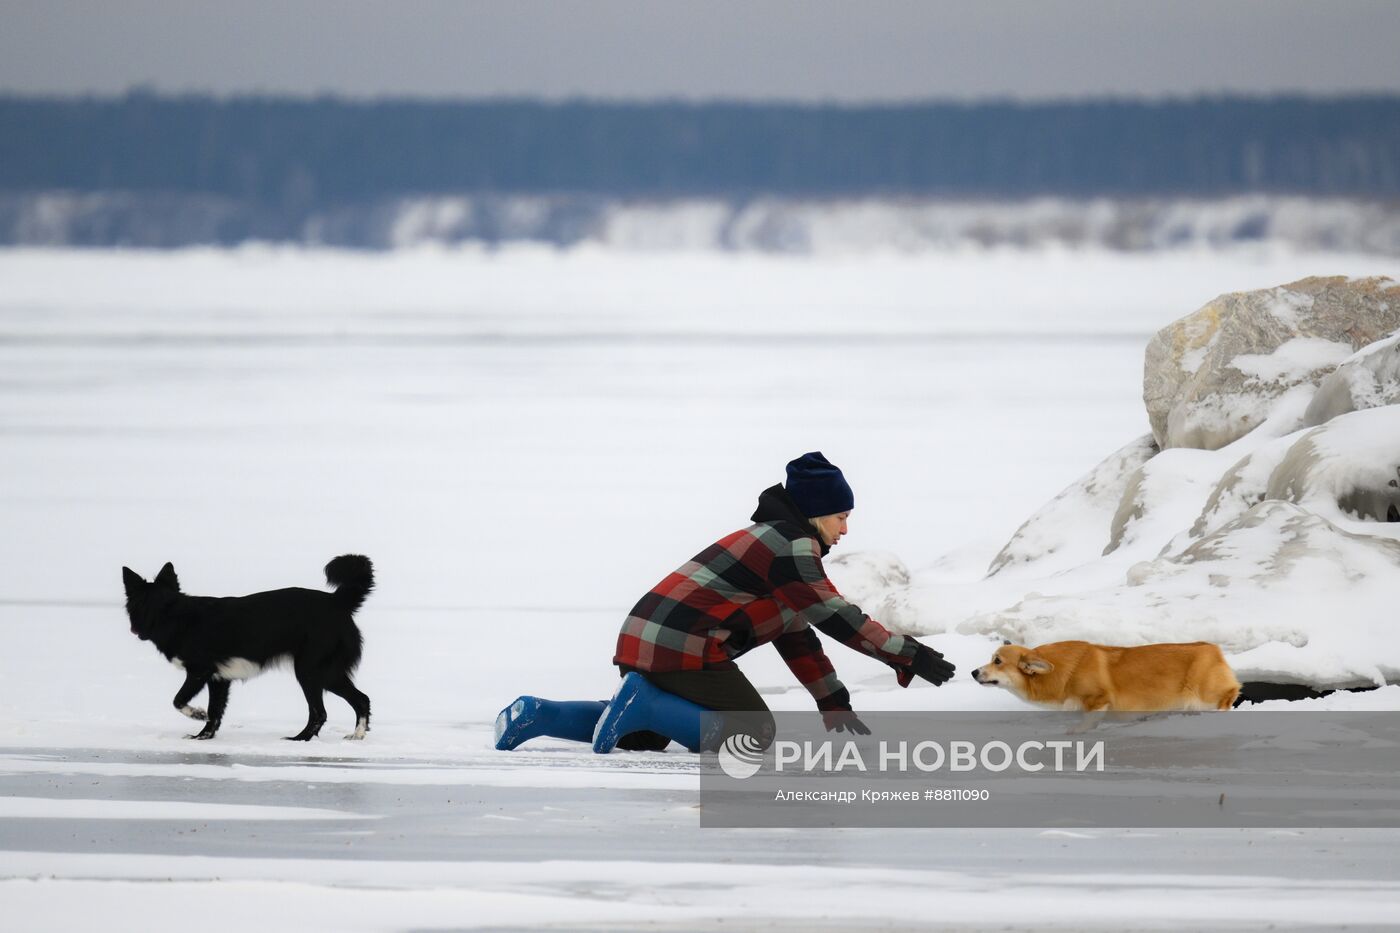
(929, 665)
(843, 720)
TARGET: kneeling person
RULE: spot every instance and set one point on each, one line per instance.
(762, 584)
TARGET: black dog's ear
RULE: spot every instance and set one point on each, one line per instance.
(167, 578)
(131, 580)
(1006, 641)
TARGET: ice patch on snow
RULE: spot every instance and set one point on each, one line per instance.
(60, 891)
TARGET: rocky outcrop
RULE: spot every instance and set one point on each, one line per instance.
(1216, 374)
(1278, 541)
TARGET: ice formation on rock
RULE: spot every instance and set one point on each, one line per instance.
(1368, 379)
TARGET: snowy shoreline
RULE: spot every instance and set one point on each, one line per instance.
(816, 227)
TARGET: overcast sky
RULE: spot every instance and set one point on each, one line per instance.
(807, 50)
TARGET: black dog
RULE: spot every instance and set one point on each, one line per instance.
(220, 639)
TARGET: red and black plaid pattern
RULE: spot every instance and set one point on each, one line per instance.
(762, 584)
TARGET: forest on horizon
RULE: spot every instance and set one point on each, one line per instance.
(302, 154)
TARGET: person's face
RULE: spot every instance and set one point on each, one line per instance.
(832, 527)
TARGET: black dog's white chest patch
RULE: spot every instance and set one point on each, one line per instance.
(238, 669)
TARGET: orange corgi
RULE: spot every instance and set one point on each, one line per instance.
(1103, 678)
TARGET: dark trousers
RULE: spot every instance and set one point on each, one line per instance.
(725, 690)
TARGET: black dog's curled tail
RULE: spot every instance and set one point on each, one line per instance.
(352, 575)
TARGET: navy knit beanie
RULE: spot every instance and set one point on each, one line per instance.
(817, 486)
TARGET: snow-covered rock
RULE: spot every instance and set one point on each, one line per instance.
(863, 574)
(873, 580)
(1347, 470)
(1243, 486)
(1282, 547)
(1074, 526)
(1160, 497)
(1368, 379)
(1288, 594)
(1215, 375)
(1189, 485)
(1349, 467)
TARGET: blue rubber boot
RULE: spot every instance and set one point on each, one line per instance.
(640, 706)
(531, 717)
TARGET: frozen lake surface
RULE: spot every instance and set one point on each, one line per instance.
(524, 442)
(441, 851)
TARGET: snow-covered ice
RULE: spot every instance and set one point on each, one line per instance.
(524, 441)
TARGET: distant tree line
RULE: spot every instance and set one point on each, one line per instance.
(295, 154)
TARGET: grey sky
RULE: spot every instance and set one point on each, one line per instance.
(788, 49)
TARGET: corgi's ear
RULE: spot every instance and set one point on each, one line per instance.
(167, 578)
(1034, 664)
(131, 580)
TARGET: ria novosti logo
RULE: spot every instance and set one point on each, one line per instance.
(740, 756)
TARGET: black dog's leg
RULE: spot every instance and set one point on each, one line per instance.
(218, 702)
(192, 685)
(344, 688)
(315, 707)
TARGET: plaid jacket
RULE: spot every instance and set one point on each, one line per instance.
(762, 584)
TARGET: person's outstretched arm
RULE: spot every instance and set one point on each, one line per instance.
(800, 582)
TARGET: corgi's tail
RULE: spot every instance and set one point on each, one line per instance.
(352, 575)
